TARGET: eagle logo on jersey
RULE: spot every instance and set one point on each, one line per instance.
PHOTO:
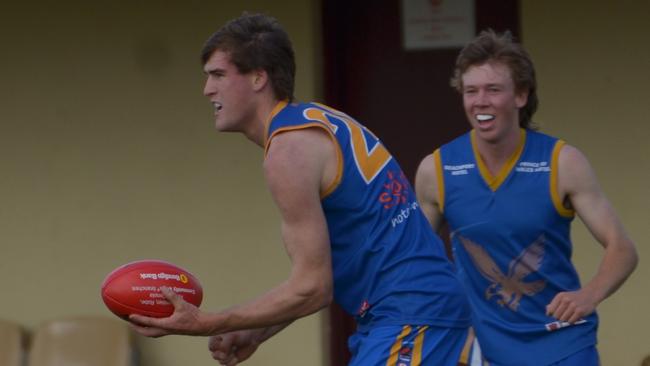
(512, 287)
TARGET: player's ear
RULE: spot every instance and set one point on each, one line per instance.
(521, 98)
(259, 78)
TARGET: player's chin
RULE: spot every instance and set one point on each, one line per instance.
(225, 128)
(228, 125)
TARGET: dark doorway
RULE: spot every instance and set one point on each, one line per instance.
(402, 96)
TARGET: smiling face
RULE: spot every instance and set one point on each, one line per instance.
(491, 102)
(231, 93)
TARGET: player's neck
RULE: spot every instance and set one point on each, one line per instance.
(257, 129)
(497, 152)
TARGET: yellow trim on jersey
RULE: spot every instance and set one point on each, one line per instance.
(395, 348)
(495, 181)
(339, 154)
(437, 162)
(555, 192)
(339, 167)
(267, 124)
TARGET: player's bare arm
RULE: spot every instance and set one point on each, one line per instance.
(294, 170)
(577, 183)
(426, 189)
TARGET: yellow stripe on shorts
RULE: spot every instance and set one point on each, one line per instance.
(394, 350)
(417, 347)
(464, 355)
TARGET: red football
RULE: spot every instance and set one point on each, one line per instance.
(134, 288)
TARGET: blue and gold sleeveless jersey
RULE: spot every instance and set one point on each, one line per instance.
(389, 267)
(510, 235)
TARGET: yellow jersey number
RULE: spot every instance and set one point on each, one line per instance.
(370, 160)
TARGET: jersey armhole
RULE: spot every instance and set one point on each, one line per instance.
(440, 180)
(555, 192)
(339, 154)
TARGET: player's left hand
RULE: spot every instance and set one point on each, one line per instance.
(233, 348)
(571, 306)
(186, 319)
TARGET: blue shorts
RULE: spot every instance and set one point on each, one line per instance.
(411, 346)
(585, 357)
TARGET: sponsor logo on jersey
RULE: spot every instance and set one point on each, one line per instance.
(404, 214)
(396, 190)
(461, 169)
(533, 167)
(363, 309)
(559, 325)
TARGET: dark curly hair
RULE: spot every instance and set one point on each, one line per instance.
(254, 42)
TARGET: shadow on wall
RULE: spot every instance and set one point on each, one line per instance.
(646, 361)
